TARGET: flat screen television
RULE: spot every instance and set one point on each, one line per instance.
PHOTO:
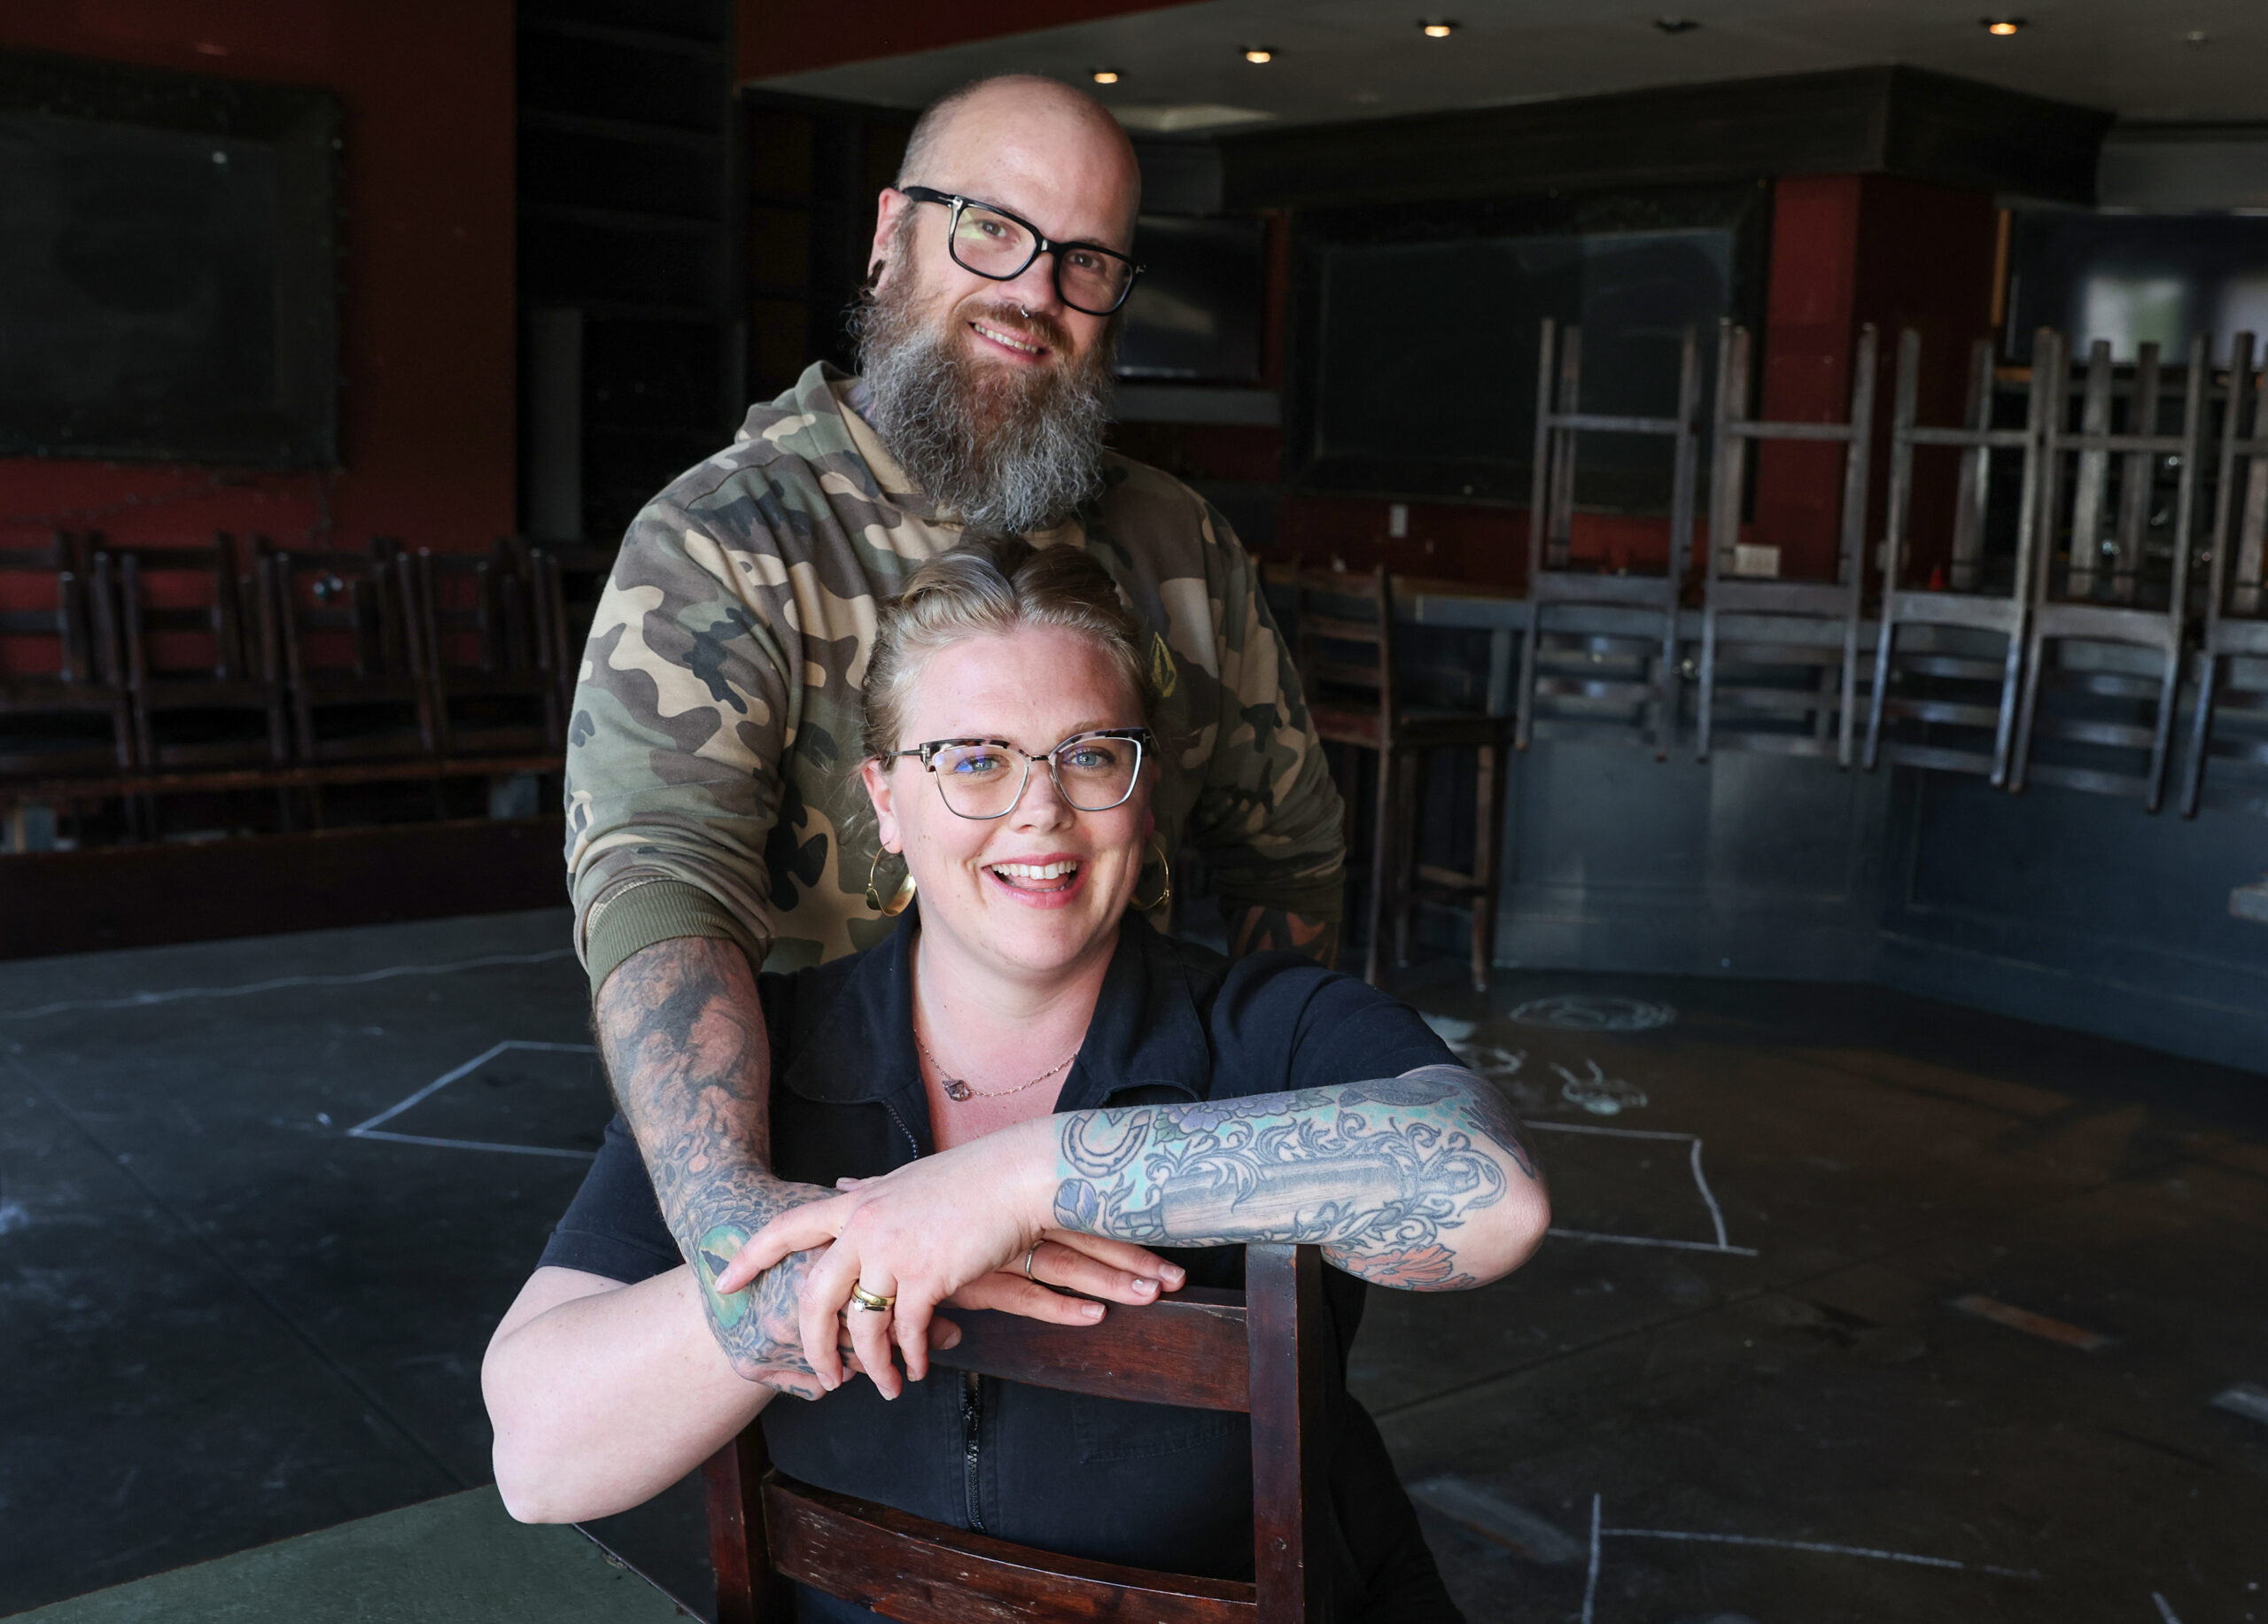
(1415, 362)
(1195, 316)
(169, 266)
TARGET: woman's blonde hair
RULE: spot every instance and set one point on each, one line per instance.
(990, 586)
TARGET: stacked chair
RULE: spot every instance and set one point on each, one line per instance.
(493, 684)
(65, 712)
(1949, 655)
(2107, 629)
(210, 669)
(2229, 720)
(1600, 652)
(354, 660)
(1782, 656)
(202, 661)
(569, 578)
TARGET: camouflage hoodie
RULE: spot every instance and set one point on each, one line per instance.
(712, 760)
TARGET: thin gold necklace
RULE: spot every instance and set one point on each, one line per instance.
(957, 1091)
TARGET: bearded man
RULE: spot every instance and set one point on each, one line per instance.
(714, 814)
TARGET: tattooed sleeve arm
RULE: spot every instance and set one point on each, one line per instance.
(682, 1033)
(1423, 1181)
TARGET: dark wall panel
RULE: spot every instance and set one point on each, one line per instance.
(2081, 912)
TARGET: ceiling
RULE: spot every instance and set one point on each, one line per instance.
(1182, 68)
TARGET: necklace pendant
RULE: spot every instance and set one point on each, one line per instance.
(956, 1090)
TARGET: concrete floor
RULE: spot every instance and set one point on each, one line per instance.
(1744, 1393)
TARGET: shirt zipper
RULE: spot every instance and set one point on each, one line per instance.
(972, 1419)
(911, 1143)
(972, 1396)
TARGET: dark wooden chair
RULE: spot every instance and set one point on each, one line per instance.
(1949, 655)
(351, 657)
(2230, 716)
(2096, 642)
(1343, 644)
(570, 578)
(201, 657)
(1780, 658)
(491, 690)
(1592, 633)
(1265, 1352)
(65, 708)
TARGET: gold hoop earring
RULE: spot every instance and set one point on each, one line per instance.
(1165, 895)
(899, 900)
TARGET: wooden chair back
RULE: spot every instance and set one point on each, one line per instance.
(1265, 1352)
(62, 671)
(172, 594)
(487, 650)
(1342, 646)
(352, 648)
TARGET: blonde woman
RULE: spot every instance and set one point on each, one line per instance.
(1026, 1087)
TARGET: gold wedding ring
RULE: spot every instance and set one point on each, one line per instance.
(873, 1302)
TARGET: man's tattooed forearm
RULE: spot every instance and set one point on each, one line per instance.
(682, 1034)
(1259, 930)
(1380, 1173)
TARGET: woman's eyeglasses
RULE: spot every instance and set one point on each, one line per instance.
(985, 778)
(1000, 245)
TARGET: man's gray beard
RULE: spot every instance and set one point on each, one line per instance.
(1012, 452)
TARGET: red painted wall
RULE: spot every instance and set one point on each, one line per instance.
(1847, 250)
(427, 313)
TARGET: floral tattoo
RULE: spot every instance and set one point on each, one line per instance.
(1379, 1173)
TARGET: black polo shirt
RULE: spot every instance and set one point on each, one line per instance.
(1148, 1484)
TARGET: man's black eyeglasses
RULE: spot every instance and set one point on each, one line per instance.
(998, 245)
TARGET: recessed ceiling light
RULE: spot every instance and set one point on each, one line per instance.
(1260, 53)
(1105, 75)
(2001, 27)
(1675, 24)
(2196, 36)
(1440, 29)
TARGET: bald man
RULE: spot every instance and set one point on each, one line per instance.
(714, 817)
(715, 820)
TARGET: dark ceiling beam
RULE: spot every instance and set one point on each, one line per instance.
(1874, 120)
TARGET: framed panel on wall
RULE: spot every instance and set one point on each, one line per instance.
(169, 266)
(1414, 340)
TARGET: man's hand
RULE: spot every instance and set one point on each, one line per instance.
(951, 1228)
(1259, 930)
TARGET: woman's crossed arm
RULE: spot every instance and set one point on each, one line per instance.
(1422, 1182)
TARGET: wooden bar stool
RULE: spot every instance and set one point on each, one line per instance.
(1343, 644)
